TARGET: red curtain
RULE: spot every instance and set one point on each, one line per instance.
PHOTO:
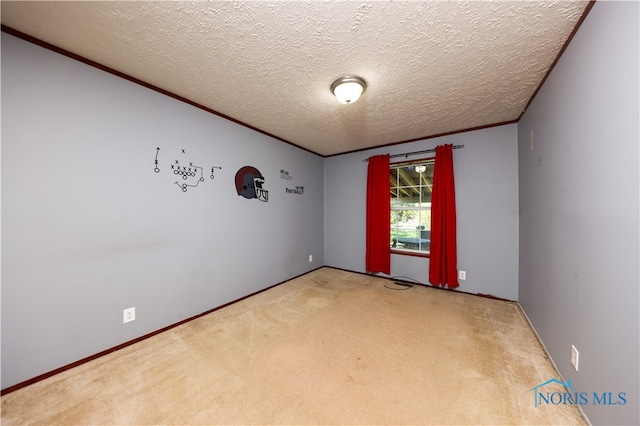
(378, 215)
(443, 268)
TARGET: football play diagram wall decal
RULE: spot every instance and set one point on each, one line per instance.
(249, 184)
(188, 175)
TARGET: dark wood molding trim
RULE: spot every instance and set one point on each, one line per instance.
(564, 47)
(136, 340)
(104, 68)
(439, 135)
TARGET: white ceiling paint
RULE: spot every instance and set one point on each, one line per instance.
(432, 67)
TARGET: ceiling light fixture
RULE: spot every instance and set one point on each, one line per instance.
(421, 169)
(348, 89)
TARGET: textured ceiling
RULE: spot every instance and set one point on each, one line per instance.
(432, 67)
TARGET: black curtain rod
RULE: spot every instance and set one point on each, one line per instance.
(405, 155)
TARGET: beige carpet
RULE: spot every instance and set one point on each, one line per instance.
(330, 347)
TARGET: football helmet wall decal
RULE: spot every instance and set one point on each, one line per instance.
(249, 184)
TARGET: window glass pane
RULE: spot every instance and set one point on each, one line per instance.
(425, 196)
(393, 176)
(411, 188)
(429, 169)
(411, 234)
(408, 196)
(408, 176)
(405, 219)
(424, 227)
(394, 196)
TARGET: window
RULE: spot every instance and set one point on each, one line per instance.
(411, 184)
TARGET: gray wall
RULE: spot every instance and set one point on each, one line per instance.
(89, 229)
(486, 176)
(579, 218)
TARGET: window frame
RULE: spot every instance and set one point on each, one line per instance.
(403, 251)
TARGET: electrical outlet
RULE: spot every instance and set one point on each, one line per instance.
(575, 357)
(462, 275)
(310, 258)
(128, 315)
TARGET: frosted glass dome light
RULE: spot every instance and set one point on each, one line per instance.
(348, 89)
